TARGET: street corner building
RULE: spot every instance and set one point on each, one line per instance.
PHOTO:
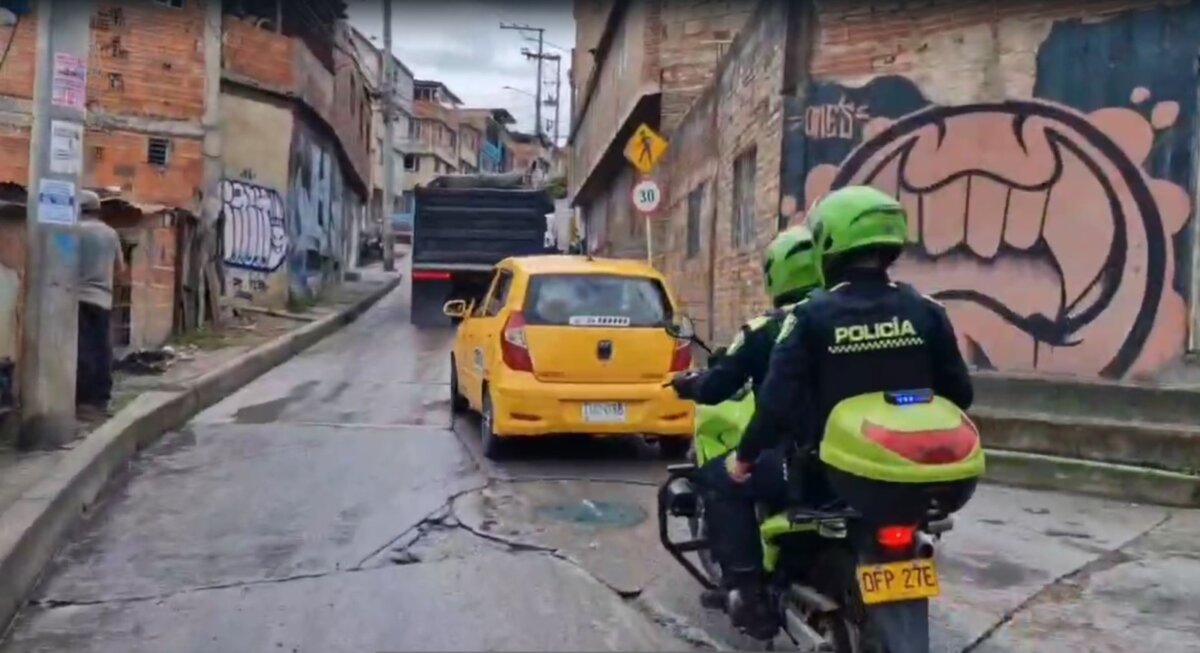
(251, 122)
(1046, 155)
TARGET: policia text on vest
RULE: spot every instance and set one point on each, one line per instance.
(892, 334)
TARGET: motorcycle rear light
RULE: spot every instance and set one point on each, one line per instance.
(896, 537)
(681, 358)
(514, 348)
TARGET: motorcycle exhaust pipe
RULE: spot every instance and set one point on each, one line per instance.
(924, 546)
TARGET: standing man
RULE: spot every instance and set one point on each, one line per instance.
(99, 255)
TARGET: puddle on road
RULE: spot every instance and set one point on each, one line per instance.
(270, 411)
(595, 514)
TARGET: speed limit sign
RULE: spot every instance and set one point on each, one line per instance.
(646, 196)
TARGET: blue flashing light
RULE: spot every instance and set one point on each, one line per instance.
(909, 397)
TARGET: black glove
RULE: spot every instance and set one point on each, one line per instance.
(684, 384)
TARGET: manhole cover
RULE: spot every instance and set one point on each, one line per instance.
(596, 513)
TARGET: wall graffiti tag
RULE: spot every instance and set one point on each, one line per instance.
(316, 189)
(1038, 225)
(255, 236)
(841, 119)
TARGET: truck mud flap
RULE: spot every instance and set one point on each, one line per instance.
(428, 298)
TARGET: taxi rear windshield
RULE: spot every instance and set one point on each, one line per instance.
(596, 300)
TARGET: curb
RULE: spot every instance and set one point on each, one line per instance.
(31, 529)
(1106, 480)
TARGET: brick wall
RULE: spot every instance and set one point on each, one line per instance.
(745, 109)
(257, 54)
(16, 76)
(692, 37)
(14, 165)
(120, 158)
(147, 59)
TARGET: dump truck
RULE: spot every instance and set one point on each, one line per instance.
(464, 225)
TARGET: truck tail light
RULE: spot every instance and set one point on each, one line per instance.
(514, 348)
(430, 275)
(681, 358)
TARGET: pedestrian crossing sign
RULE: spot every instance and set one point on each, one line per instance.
(645, 148)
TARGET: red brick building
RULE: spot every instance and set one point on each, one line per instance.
(292, 143)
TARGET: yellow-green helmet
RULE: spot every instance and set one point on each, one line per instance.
(855, 218)
(790, 265)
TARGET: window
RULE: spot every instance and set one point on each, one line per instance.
(743, 198)
(414, 129)
(596, 300)
(499, 294)
(695, 202)
(412, 163)
(158, 151)
(176, 4)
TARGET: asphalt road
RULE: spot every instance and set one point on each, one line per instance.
(335, 505)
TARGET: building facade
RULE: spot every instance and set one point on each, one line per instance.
(989, 123)
(635, 62)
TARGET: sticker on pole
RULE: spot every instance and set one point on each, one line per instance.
(646, 196)
(69, 82)
(56, 202)
(66, 147)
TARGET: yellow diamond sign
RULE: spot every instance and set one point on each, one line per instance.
(645, 148)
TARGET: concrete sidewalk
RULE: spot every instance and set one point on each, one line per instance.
(43, 493)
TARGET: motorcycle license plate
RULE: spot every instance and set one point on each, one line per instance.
(898, 581)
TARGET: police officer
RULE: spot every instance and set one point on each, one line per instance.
(790, 268)
(791, 272)
(866, 333)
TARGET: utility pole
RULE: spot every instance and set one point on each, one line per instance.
(50, 329)
(557, 95)
(537, 107)
(387, 89)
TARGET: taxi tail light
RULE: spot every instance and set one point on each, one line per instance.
(514, 348)
(681, 358)
(896, 537)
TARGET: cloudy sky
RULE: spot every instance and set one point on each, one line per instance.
(460, 43)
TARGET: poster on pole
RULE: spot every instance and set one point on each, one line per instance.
(56, 202)
(66, 147)
(69, 83)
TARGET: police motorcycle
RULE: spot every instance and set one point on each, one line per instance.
(853, 574)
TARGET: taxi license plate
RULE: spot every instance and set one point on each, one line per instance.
(604, 413)
(898, 581)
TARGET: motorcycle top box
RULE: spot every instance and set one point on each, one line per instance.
(900, 456)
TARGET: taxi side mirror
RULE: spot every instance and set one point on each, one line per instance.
(455, 309)
(683, 329)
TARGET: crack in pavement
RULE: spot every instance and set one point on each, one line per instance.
(1076, 577)
(52, 603)
(445, 519)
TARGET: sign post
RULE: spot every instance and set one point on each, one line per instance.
(644, 150)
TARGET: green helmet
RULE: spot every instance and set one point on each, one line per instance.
(790, 264)
(855, 218)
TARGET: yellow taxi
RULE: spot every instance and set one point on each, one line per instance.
(570, 345)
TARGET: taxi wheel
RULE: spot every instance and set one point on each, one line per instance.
(458, 403)
(493, 446)
(674, 448)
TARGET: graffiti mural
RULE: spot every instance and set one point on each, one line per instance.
(255, 234)
(1052, 228)
(318, 204)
